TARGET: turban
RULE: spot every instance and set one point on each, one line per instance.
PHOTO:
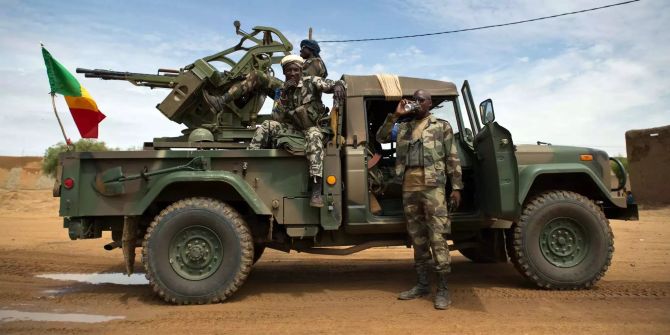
(291, 59)
(312, 45)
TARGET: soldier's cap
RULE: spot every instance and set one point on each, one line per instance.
(292, 59)
(312, 45)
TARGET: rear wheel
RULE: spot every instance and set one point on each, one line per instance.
(562, 241)
(197, 251)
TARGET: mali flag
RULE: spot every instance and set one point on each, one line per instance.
(84, 111)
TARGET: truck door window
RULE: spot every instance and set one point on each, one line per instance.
(470, 107)
(450, 111)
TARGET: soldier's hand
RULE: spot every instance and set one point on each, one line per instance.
(339, 92)
(456, 197)
(400, 109)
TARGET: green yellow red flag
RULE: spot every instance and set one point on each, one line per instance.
(84, 110)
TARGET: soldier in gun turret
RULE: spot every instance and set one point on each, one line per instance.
(256, 80)
(313, 66)
(298, 112)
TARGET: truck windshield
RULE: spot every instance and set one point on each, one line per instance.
(446, 110)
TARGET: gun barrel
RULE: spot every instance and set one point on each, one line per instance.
(99, 72)
(140, 79)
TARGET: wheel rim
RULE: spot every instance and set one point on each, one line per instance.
(196, 253)
(563, 242)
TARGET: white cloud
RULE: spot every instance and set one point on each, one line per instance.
(579, 80)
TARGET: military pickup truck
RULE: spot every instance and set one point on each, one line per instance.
(204, 212)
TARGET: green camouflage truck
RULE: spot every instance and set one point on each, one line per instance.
(203, 209)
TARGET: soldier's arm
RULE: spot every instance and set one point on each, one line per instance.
(384, 132)
(327, 85)
(453, 163)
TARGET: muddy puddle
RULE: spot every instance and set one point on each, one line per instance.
(98, 278)
(9, 315)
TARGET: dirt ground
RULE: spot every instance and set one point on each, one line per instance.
(299, 293)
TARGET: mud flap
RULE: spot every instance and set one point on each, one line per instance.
(129, 241)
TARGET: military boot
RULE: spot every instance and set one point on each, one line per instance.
(442, 298)
(422, 286)
(317, 199)
(215, 102)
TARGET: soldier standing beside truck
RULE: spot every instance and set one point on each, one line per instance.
(426, 154)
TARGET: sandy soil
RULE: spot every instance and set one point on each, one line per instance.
(298, 293)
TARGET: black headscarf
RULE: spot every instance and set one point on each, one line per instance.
(312, 45)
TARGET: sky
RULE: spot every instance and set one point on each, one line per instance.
(579, 80)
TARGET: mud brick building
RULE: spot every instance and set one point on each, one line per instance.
(648, 153)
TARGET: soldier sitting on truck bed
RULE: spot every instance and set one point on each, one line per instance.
(296, 112)
(299, 110)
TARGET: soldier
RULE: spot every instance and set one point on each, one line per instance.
(426, 154)
(256, 80)
(297, 113)
(313, 66)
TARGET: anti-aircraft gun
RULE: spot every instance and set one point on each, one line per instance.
(185, 103)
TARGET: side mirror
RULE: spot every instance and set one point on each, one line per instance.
(486, 111)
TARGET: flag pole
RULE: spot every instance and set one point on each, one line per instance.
(53, 102)
(68, 143)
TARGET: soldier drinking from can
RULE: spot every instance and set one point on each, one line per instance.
(426, 155)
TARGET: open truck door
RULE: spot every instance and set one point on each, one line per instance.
(496, 168)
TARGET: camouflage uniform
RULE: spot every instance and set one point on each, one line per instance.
(425, 208)
(297, 111)
(256, 80)
(314, 66)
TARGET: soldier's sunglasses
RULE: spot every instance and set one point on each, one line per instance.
(419, 99)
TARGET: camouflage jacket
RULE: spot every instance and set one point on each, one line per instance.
(440, 156)
(314, 66)
(301, 106)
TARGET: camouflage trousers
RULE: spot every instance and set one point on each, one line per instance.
(266, 137)
(427, 220)
(255, 80)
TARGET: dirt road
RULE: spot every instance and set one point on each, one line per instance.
(298, 293)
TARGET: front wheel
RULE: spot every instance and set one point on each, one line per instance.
(197, 251)
(562, 241)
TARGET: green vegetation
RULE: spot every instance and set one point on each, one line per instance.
(617, 170)
(51, 154)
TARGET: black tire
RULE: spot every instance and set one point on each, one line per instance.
(183, 222)
(258, 252)
(538, 257)
(491, 247)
